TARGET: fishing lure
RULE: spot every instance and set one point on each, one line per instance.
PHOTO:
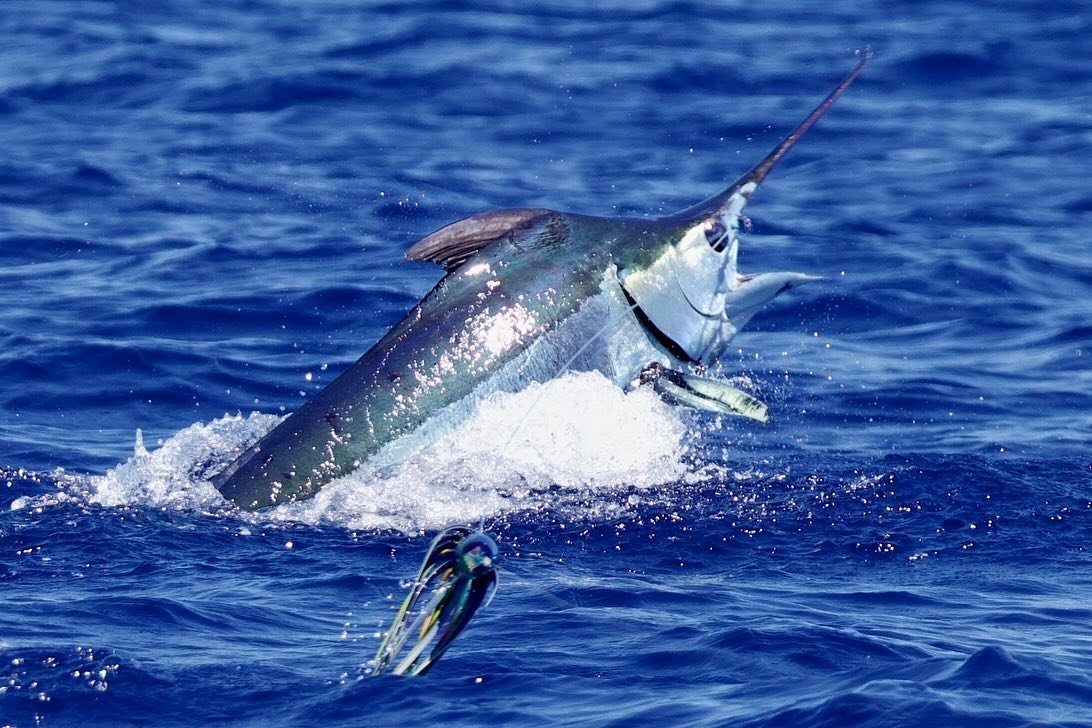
(457, 577)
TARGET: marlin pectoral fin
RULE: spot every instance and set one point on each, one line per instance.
(452, 244)
(703, 393)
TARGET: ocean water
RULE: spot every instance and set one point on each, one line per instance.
(203, 209)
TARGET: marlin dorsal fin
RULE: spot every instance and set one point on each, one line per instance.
(452, 244)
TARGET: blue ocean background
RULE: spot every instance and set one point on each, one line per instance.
(203, 210)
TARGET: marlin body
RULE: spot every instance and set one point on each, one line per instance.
(529, 294)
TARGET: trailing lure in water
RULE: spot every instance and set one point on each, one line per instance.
(457, 577)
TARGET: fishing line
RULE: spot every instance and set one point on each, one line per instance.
(610, 323)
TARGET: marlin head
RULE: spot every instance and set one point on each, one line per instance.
(688, 284)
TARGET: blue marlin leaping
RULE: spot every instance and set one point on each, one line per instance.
(527, 295)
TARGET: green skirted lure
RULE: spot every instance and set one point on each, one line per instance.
(457, 578)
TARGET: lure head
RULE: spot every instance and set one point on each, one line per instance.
(476, 554)
(687, 283)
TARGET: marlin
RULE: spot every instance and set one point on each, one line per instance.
(527, 295)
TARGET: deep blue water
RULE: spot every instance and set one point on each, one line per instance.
(203, 209)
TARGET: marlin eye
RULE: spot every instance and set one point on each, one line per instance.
(715, 232)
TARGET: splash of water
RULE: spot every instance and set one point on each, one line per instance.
(175, 475)
(561, 442)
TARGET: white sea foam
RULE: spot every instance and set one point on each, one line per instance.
(565, 440)
(176, 473)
